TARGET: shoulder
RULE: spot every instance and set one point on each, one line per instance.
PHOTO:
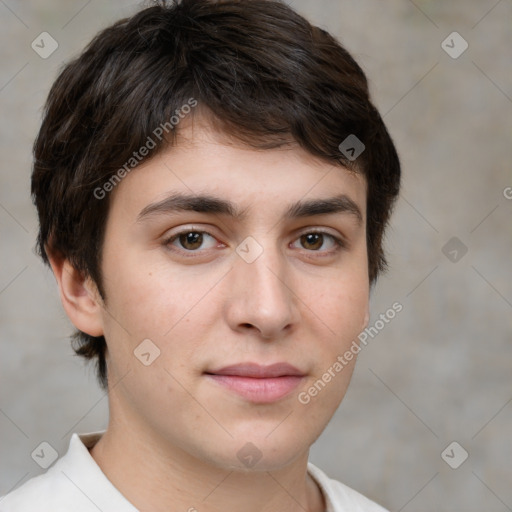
(75, 482)
(339, 497)
(45, 492)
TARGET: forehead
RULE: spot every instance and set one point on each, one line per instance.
(206, 161)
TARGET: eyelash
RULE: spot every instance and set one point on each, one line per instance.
(340, 242)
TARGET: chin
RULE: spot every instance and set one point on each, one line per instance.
(246, 456)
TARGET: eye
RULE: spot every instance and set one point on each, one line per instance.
(316, 240)
(195, 241)
(191, 240)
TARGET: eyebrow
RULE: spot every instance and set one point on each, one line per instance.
(205, 203)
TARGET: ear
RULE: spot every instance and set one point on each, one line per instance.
(80, 297)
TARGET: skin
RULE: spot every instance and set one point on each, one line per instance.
(173, 434)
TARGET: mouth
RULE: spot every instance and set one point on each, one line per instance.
(257, 383)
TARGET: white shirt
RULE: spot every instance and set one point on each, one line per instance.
(76, 483)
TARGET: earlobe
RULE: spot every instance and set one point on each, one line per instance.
(79, 297)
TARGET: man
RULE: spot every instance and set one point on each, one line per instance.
(212, 183)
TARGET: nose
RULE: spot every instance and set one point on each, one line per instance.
(261, 296)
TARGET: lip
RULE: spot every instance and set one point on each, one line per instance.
(258, 371)
(257, 383)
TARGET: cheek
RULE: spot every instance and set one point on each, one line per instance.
(343, 306)
(340, 313)
(139, 287)
(148, 299)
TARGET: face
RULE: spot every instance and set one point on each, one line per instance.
(270, 268)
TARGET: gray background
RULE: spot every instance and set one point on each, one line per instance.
(439, 372)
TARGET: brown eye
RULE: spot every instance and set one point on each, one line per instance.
(191, 241)
(321, 242)
(313, 241)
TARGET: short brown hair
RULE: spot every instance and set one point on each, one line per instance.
(263, 72)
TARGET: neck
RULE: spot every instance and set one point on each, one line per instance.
(157, 477)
